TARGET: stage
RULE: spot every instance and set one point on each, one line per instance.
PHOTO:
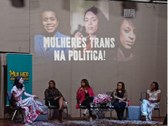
(86, 122)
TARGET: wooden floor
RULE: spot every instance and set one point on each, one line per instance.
(12, 123)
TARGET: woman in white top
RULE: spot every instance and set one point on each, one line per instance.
(30, 105)
(151, 101)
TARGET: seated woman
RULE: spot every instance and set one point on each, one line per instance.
(120, 98)
(151, 101)
(85, 96)
(30, 105)
(55, 97)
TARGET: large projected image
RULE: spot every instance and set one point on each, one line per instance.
(95, 34)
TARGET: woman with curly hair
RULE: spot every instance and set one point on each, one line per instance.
(153, 97)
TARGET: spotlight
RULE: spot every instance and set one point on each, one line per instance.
(17, 3)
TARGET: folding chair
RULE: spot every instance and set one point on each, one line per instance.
(14, 108)
(80, 108)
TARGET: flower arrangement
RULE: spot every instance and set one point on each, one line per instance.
(102, 99)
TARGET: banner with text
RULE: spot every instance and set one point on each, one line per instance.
(19, 65)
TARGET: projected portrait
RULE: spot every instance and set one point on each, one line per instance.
(46, 43)
(50, 22)
(127, 38)
(94, 26)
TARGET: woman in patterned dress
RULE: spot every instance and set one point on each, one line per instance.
(30, 105)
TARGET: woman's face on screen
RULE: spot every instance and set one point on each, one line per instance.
(127, 34)
(91, 23)
(49, 21)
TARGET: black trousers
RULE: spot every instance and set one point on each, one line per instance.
(87, 102)
(119, 108)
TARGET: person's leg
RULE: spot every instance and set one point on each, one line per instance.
(34, 108)
(33, 103)
(118, 113)
(84, 103)
(61, 103)
(144, 109)
(122, 108)
(60, 116)
(150, 109)
(85, 111)
(150, 115)
(26, 115)
(117, 108)
(90, 100)
(87, 103)
(56, 104)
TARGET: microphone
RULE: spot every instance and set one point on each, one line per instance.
(80, 28)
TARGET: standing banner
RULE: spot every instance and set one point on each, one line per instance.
(19, 65)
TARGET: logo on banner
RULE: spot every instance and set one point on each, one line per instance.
(14, 74)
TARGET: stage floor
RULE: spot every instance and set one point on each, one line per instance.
(81, 122)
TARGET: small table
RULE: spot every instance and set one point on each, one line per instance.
(99, 109)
